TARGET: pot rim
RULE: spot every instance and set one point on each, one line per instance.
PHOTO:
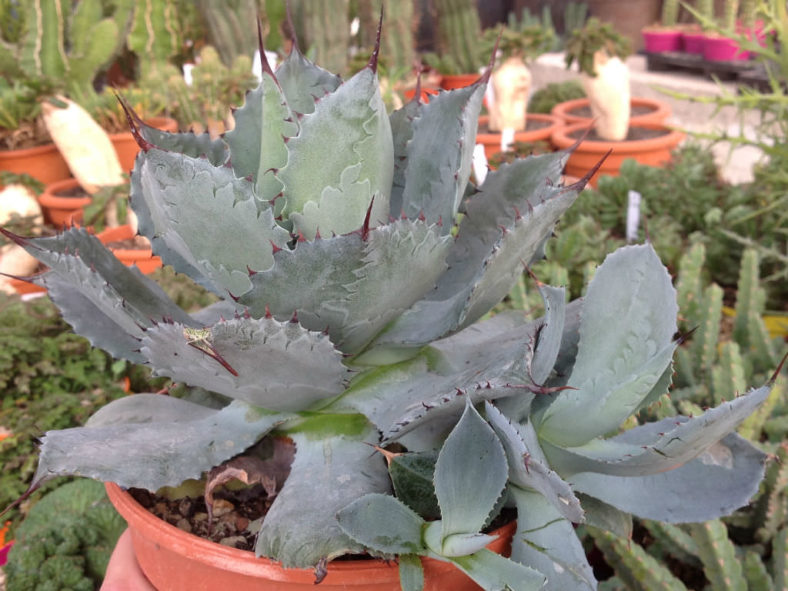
(49, 198)
(564, 109)
(561, 138)
(245, 562)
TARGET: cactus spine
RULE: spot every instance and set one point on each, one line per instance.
(397, 41)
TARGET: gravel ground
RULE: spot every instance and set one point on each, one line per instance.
(735, 167)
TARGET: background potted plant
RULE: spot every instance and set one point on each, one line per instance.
(599, 52)
(394, 344)
(459, 31)
(664, 36)
(520, 42)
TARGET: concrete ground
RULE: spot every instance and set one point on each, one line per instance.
(735, 166)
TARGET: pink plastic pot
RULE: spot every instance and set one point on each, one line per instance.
(723, 49)
(661, 40)
(693, 41)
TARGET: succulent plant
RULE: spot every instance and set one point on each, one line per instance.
(355, 261)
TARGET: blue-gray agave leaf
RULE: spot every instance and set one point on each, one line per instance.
(163, 445)
(304, 82)
(105, 301)
(193, 208)
(341, 161)
(257, 142)
(327, 474)
(504, 227)
(401, 131)
(551, 333)
(383, 524)
(484, 362)
(716, 483)
(626, 344)
(658, 446)
(436, 171)
(547, 542)
(494, 572)
(365, 280)
(301, 367)
(528, 471)
(472, 453)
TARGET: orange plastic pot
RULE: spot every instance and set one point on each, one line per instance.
(60, 210)
(178, 561)
(23, 287)
(142, 257)
(425, 95)
(492, 140)
(655, 111)
(652, 151)
(126, 147)
(452, 81)
(44, 163)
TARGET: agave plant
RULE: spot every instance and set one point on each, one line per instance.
(356, 260)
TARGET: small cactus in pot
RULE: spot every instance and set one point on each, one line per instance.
(351, 319)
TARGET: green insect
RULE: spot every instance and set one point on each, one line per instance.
(200, 339)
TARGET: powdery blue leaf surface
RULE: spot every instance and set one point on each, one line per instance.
(383, 524)
(328, 474)
(436, 171)
(276, 365)
(716, 483)
(342, 153)
(401, 121)
(472, 453)
(485, 361)
(626, 343)
(528, 471)
(158, 452)
(189, 143)
(303, 82)
(658, 446)
(188, 208)
(548, 342)
(547, 542)
(493, 572)
(86, 281)
(364, 283)
(147, 408)
(257, 142)
(411, 572)
(505, 226)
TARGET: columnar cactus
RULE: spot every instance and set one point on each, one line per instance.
(351, 315)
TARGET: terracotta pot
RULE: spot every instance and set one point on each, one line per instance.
(693, 41)
(661, 40)
(717, 48)
(653, 151)
(25, 287)
(142, 257)
(492, 140)
(127, 149)
(44, 163)
(425, 94)
(452, 81)
(658, 111)
(178, 561)
(59, 210)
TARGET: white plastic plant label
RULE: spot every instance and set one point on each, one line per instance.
(479, 164)
(507, 138)
(633, 215)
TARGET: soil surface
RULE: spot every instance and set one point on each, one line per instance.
(29, 134)
(233, 511)
(135, 243)
(73, 192)
(635, 133)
